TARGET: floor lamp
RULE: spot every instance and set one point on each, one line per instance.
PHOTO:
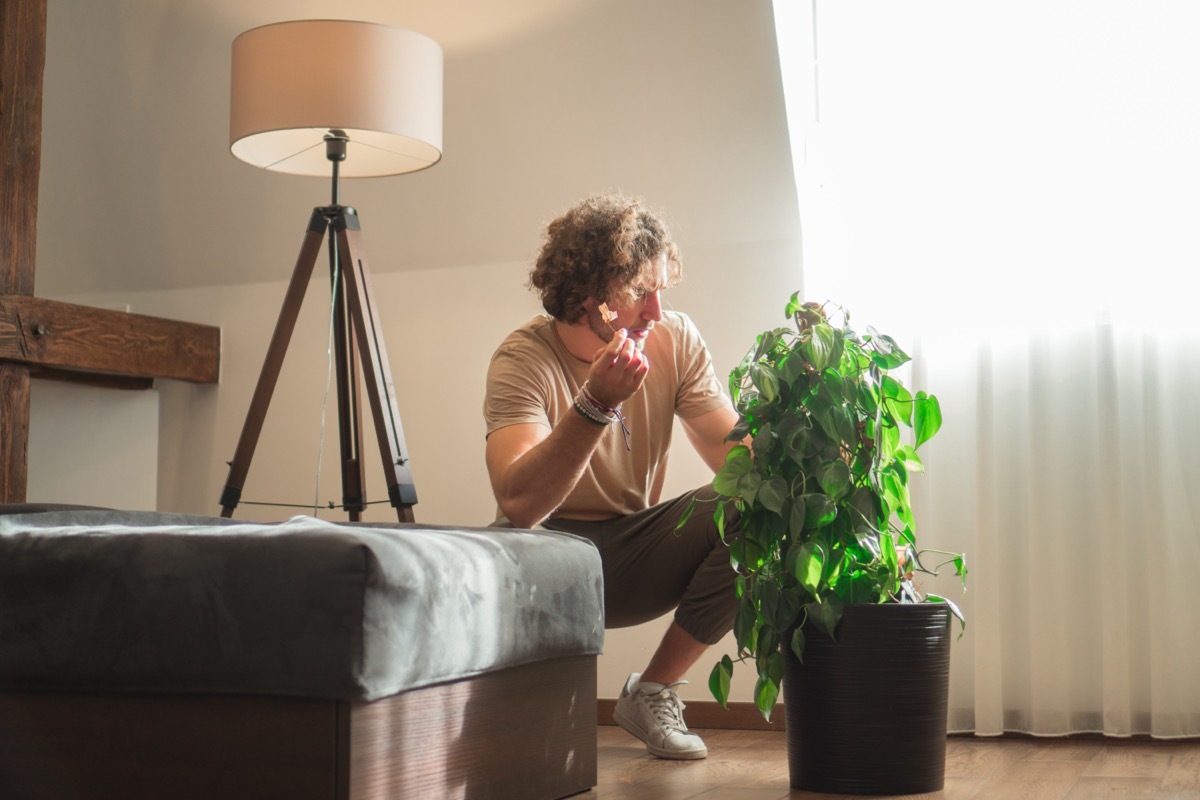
(346, 99)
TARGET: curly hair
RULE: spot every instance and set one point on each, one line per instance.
(599, 249)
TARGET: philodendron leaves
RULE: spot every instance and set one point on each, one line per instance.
(806, 563)
(765, 380)
(738, 464)
(718, 680)
(818, 474)
(772, 493)
(927, 417)
(825, 615)
(819, 511)
(834, 478)
(821, 349)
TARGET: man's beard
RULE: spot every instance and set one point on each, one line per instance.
(598, 326)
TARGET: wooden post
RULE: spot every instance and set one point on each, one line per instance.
(46, 338)
(22, 61)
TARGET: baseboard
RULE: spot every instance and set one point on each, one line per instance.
(710, 714)
(701, 714)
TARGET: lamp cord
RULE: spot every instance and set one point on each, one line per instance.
(336, 283)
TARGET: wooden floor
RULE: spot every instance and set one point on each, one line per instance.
(752, 765)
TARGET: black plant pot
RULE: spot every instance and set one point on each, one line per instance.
(867, 714)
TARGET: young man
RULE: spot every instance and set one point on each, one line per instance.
(579, 411)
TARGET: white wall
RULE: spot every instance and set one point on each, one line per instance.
(95, 446)
(676, 100)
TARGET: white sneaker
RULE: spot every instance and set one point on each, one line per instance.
(654, 713)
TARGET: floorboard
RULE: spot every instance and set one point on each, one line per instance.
(752, 765)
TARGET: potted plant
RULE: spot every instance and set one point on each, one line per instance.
(827, 557)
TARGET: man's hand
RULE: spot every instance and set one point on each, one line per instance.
(618, 370)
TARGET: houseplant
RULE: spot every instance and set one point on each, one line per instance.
(826, 532)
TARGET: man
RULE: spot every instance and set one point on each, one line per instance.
(579, 412)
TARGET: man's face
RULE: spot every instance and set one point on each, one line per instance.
(637, 315)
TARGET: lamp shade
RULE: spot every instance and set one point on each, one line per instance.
(293, 82)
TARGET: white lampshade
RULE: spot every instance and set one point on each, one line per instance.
(293, 82)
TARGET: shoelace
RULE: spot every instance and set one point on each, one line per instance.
(667, 708)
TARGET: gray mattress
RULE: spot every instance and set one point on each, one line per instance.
(127, 601)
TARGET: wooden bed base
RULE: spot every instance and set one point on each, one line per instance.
(526, 732)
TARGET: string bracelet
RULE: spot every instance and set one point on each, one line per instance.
(597, 413)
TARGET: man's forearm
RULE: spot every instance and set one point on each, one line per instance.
(541, 478)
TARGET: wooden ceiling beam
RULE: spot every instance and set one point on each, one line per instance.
(72, 338)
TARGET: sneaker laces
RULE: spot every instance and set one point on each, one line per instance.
(667, 708)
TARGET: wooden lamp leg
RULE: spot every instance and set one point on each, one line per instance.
(358, 340)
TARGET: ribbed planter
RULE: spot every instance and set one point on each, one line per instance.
(867, 714)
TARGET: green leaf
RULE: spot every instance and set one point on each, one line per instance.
(888, 442)
(791, 368)
(748, 485)
(772, 493)
(866, 503)
(789, 609)
(765, 380)
(826, 615)
(796, 523)
(960, 569)
(901, 401)
(768, 642)
(718, 680)
(740, 431)
(793, 434)
(764, 440)
(766, 692)
(908, 456)
(768, 599)
(885, 352)
(776, 666)
(962, 621)
(834, 478)
(745, 624)
(719, 519)
(737, 464)
(887, 552)
(833, 567)
(798, 644)
(793, 305)
(809, 566)
(927, 417)
(819, 511)
(687, 514)
(821, 346)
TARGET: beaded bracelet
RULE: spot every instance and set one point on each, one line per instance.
(590, 415)
(596, 412)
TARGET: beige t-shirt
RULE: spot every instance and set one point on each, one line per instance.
(533, 378)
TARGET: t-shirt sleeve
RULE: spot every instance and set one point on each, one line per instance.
(700, 390)
(516, 391)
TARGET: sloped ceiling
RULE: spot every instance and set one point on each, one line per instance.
(545, 101)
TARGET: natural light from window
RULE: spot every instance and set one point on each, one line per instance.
(986, 164)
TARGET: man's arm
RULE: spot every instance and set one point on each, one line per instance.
(707, 434)
(532, 468)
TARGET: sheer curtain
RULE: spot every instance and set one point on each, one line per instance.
(1012, 189)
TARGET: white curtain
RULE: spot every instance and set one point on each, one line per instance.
(1012, 190)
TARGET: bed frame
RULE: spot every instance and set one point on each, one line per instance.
(526, 732)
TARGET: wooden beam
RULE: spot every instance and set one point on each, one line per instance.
(71, 338)
(22, 61)
(14, 432)
(44, 338)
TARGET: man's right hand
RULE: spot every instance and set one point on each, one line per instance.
(618, 370)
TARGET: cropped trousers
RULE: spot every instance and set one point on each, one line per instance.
(650, 567)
